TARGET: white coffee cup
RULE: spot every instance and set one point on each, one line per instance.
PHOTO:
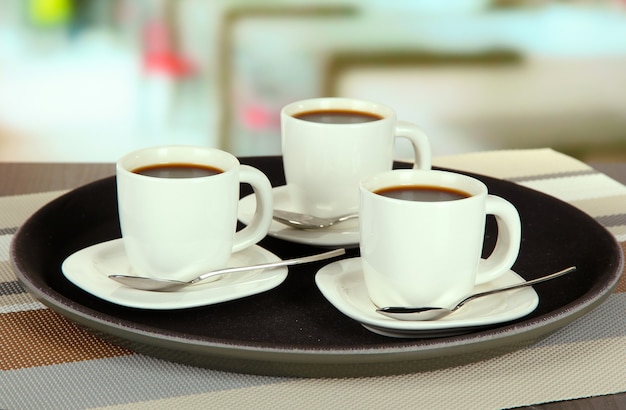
(324, 162)
(178, 228)
(421, 253)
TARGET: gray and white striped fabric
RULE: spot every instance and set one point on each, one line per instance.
(47, 362)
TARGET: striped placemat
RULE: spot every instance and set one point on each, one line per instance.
(48, 362)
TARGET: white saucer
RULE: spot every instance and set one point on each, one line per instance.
(345, 234)
(89, 269)
(342, 284)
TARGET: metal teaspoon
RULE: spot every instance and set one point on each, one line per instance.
(432, 313)
(145, 283)
(304, 221)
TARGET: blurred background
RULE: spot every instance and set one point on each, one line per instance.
(88, 80)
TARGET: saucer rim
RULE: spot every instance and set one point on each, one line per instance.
(79, 268)
(327, 237)
(327, 283)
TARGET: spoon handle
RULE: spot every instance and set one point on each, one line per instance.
(516, 286)
(347, 217)
(270, 265)
(304, 221)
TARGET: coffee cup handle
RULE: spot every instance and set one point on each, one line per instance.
(262, 218)
(508, 242)
(419, 141)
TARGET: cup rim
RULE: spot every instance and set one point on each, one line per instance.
(330, 103)
(170, 154)
(408, 177)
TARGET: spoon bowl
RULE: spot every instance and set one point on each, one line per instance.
(154, 284)
(432, 313)
(304, 221)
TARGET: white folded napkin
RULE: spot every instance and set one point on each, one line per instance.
(555, 174)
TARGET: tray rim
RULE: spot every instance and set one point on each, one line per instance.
(291, 359)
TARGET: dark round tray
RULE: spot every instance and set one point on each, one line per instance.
(293, 330)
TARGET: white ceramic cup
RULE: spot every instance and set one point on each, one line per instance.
(179, 228)
(418, 253)
(324, 162)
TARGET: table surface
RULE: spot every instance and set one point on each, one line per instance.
(25, 178)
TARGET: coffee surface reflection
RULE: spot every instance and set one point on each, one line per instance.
(337, 116)
(177, 170)
(423, 193)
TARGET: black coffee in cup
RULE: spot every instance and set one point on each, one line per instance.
(422, 193)
(181, 170)
(337, 116)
